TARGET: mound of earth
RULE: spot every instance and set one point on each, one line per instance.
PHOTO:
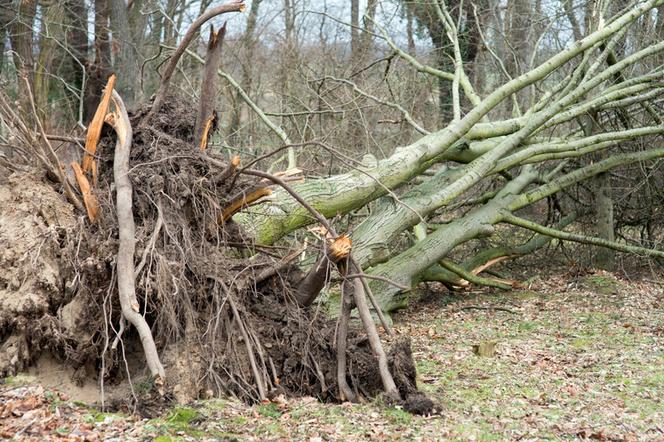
(220, 327)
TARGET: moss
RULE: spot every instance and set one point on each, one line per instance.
(179, 420)
(19, 379)
(526, 326)
(581, 343)
(269, 410)
(602, 284)
(183, 415)
(398, 416)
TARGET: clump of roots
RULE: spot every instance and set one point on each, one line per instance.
(221, 327)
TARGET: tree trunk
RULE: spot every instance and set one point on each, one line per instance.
(125, 42)
(605, 224)
(248, 42)
(100, 69)
(6, 16)
(77, 34)
(20, 35)
(518, 19)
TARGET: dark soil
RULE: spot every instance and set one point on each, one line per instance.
(58, 284)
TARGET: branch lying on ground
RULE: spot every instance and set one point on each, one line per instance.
(531, 225)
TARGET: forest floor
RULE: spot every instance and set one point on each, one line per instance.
(575, 356)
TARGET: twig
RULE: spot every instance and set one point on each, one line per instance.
(150, 245)
(476, 307)
(54, 165)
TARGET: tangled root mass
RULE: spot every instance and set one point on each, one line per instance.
(58, 285)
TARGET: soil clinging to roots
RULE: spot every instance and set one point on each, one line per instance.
(220, 327)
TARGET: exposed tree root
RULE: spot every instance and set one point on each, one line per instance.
(126, 229)
(237, 317)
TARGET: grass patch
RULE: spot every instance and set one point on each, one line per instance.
(18, 380)
(606, 285)
(179, 420)
(269, 410)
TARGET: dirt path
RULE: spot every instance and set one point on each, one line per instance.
(575, 358)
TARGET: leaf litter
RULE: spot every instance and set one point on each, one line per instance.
(571, 363)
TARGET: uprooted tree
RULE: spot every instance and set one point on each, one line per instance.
(183, 254)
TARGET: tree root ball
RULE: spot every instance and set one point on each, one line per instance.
(58, 290)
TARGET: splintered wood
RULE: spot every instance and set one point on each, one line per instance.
(88, 165)
(206, 131)
(94, 129)
(243, 201)
(340, 248)
(89, 199)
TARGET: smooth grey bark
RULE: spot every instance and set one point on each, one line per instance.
(124, 64)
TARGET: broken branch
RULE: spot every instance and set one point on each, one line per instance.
(206, 113)
(242, 201)
(89, 199)
(94, 128)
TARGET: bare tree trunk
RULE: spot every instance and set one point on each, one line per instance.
(288, 65)
(125, 44)
(77, 36)
(367, 38)
(21, 38)
(605, 224)
(410, 31)
(518, 21)
(51, 30)
(248, 43)
(6, 16)
(100, 69)
(169, 21)
(354, 31)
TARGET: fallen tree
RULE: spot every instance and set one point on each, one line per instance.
(542, 146)
(182, 250)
